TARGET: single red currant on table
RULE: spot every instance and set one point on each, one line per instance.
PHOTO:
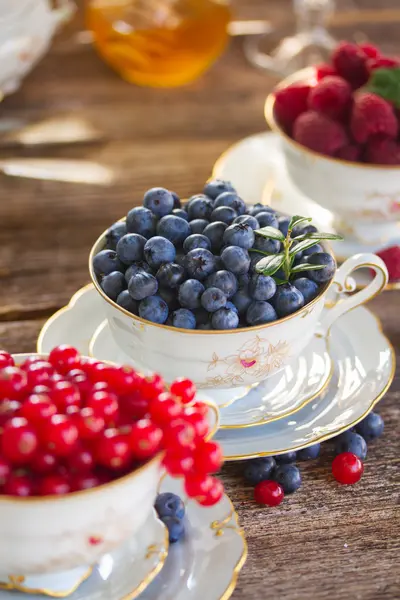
(269, 493)
(347, 468)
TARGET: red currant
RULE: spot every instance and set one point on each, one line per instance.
(13, 383)
(54, 485)
(90, 425)
(178, 463)
(134, 406)
(112, 450)
(269, 493)
(197, 420)
(97, 371)
(59, 435)
(5, 470)
(179, 434)
(198, 486)
(152, 386)
(30, 361)
(201, 408)
(81, 381)
(145, 439)
(41, 389)
(39, 373)
(101, 386)
(214, 494)
(8, 410)
(105, 405)
(122, 380)
(184, 389)
(36, 408)
(81, 461)
(164, 408)
(64, 358)
(347, 468)
(19, 485)
(43, 463)
(6, 360)
(19, 441)
(65, 394)
(85, 481)
(207, 457)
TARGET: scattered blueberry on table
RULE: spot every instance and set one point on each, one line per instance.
(168, 254)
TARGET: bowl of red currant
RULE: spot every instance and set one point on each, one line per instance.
(82, 447)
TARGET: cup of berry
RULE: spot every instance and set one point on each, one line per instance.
(82, 444)
(223, 293)
(339, 129)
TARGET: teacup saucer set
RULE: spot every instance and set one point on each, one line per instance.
(278, 387)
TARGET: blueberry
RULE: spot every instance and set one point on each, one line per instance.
(199, 207)
(180, 259)
(313, 250)
(141, 220)
(170, 297)
(225, 318)
(106, 262)
(190, 293)
(255, 258)
(349, 441)
(113, 284)
(215, 233)
(142, 285)
(288, 457)
(114, 234)
(267, 219)
(202, 316)
(371, 427)
(176, 528)
(266, 245)
(231, 306)
(244, 279)
(259, 313)
(213, 299)
(158, 250)
(138, 267)
(196, 240)
(247, 220)
(309, 453)
(287, 300)
(303, 229)
(153, 309)
(239, 234)
(177, 200)
(199, 263)
(262, 287)
(242, 301)
(159, 200)
(170, 275)
(258, 208)
(130, 248)
(308, 288)
(169, 505)
(325, 274)
(205, 326)
(183, 318)
(288, 476)
(259, 469)
(174, 228)
(232, 200)
(236, 260)
(179, 212)
(224, 213)
(198, 225)
(216, 187)
(126, 301)
(224, 280)
(283, 225)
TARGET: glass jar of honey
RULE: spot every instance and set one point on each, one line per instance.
(161, 43)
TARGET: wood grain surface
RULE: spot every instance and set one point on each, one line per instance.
(325, 541)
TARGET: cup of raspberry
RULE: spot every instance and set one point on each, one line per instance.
(82, 446)
(339, 129)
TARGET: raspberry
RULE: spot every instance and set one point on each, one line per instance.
(331, 97)
(372, 115)
(324, 70)
(350, 62)
(290, 102)
(383, 151)
(319, 133)
(383, 62)
(391, 258)
(350, 152)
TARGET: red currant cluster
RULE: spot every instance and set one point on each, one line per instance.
(70, 423)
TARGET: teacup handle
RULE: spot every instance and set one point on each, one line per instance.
(342, 302)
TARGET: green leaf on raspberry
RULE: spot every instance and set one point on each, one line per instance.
(270, 264)
(271, 233)
(386, 83)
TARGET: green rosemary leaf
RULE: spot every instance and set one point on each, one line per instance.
(270, 264)
(271, 233)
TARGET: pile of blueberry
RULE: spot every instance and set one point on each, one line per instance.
(273, 477)
(207, 264)
(171, 511)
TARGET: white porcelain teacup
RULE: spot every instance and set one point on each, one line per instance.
(236, 358)
(364, 198)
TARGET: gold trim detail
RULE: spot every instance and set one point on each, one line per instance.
(16, 584)
(238, 567)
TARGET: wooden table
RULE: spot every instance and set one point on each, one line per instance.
(325, 541)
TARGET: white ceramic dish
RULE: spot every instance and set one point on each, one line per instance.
(365, 199)
(256, 167)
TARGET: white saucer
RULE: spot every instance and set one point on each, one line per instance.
(205, 564)
(256, 167)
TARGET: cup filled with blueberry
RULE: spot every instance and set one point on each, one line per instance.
(216, 290)
(339, 129)
(82, 447)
